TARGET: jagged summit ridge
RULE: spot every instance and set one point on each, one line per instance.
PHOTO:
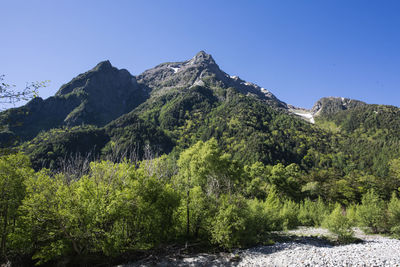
(101, 71)
(181, 74)
(95, 97)
(105, 93)
(202, 58)
(331, 105)
(200, 70)
(325, 106)
(103, 65)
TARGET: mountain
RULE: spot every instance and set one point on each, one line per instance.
(325, 107)
(95, 97)
(186, 153)
(109, 113)
(332, 105)
(201, 70)
(153, 108)
(104, 93)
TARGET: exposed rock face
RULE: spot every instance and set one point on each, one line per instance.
(104, 93)
(331, 105)
(182, 74)
(95, 97)
(200, 70)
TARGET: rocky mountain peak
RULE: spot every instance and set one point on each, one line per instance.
(101, 69)
(183, 74)
(201, 70)
(202, 58)
(96, 96)
(103, 65)
(331, 105)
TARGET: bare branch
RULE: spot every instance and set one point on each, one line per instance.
(10, 95)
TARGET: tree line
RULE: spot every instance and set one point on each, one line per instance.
(201, 195)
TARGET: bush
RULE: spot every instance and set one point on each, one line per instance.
(394, 216)
(14, 171)
(202, 210)
(289, 214)
(312, 213)
(338, 223)
(271, 210)
(112, 209)
(370, 214)
(261, 221)
(229, 226)
(351, 214)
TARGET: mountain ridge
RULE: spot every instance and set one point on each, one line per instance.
(104, 93)
(175, 104)
(198, 70)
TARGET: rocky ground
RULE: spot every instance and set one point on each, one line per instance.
(305, 247)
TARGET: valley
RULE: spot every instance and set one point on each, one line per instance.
(114, 166)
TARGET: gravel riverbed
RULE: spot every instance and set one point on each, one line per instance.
(306, 249)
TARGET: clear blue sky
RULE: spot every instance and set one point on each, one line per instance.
(299, 50)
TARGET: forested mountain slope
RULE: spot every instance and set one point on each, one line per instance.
(95, 97)
(370, 134)
(186, 102)
(170, 107)
(183, 153)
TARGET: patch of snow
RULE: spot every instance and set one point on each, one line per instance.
(342, 99)
(308, 116)
(305, 115)
(175, 69)
(235, 77)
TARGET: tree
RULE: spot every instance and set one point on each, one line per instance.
(338, 223)
(10, 95)
(111, 209)
(371, 212)
(205, 165)
(394, 169)
(14, 170)
(394, 215)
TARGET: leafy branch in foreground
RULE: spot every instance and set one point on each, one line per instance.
(10, 95)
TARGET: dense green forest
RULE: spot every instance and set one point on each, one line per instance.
(181, 160)
(204, 195)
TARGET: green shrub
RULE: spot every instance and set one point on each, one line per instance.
(289, 214)
(271, 210)
(370, 214)
(263, 217)
(111, 209)
(394, 216)
(351, 214)
(312, 213)
(338, 223)
(228, 229)
(14, 171)
(202, 209)
(257, 224)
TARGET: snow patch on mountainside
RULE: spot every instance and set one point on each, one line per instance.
(308, 116)
(303, 113)
(175, 69)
